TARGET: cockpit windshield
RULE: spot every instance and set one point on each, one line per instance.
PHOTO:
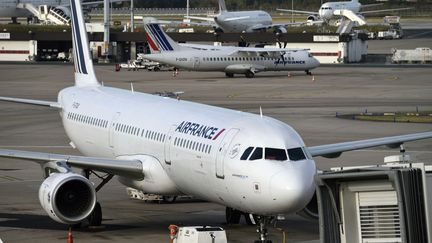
(257, 154)
(296, 154)
(275, 154)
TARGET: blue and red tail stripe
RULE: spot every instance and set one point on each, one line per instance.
(80, 65)
(159, 37)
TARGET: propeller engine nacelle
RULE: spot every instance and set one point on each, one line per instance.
(68, 198)
(311, 209)
(312, 18)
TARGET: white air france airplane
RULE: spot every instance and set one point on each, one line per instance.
(327, 10)
(229, 59)
(240, 21)
(160, 145)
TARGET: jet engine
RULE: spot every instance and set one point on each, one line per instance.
(68, 198)
(280, 30)
(311, 209)
(312, 18)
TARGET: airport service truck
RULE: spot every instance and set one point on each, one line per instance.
(420, 55)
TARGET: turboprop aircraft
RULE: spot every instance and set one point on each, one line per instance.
(239, 21)
(328, 9)
(231, 60)
(249, 163)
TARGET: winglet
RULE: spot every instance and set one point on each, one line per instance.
(84, 72)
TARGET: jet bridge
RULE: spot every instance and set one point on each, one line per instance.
(371, 204)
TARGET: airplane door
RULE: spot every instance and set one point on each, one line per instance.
(196, 62)
(112, 128)
(167, 146)
(222, 151)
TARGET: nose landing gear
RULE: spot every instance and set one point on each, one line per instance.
(262, 229)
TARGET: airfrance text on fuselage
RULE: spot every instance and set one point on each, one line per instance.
(198, 130)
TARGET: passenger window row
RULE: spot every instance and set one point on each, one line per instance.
(136, 131)
(87, 119)
(216, 59)
(192, 145)
(294, 154)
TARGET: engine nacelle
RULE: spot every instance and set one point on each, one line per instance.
(68, 198)
(280, 30)
(311, 209)
(312, 18)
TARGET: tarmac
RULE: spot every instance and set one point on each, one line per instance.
(307, 105)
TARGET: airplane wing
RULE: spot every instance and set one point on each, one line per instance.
(201, 18)
(269, 26)
(129, 168)
(383, 10)
(296, 11)
(336, 149)
(32, 102)
(371, 5)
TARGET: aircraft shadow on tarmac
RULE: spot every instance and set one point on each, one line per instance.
(42, 222)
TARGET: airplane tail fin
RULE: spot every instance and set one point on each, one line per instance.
(158, 40)
(222, 6)
(84, 72)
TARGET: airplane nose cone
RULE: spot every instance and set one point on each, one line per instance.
(315, 62)
(292, 189)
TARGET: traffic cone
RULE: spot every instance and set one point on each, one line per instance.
(70, 237)
(313, 78)
(289, 74)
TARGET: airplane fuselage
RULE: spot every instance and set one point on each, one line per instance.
(242, 21)
(10, 9)
(195, 149)
(326, 10)
(223, 60)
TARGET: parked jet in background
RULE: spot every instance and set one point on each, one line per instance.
(246, 162)
(240, 21)
(35, 8)
(231, 60)
(327, 10)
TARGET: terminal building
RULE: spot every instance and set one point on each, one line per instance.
(46, 46)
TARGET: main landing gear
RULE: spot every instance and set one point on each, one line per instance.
(95, 217)
(308, 72)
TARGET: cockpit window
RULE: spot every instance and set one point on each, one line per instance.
(296, 154)
(246, 153)
(257, 154)
(275, 154)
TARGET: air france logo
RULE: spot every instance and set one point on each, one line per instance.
(199, 130)
(288, 62)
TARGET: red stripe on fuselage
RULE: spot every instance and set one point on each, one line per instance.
(219, 133)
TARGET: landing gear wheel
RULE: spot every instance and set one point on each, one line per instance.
(95, 218)
(308, 72)
(156, 69)
(249, 74)
(169, 199)
(229, 75)
(232, 216)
